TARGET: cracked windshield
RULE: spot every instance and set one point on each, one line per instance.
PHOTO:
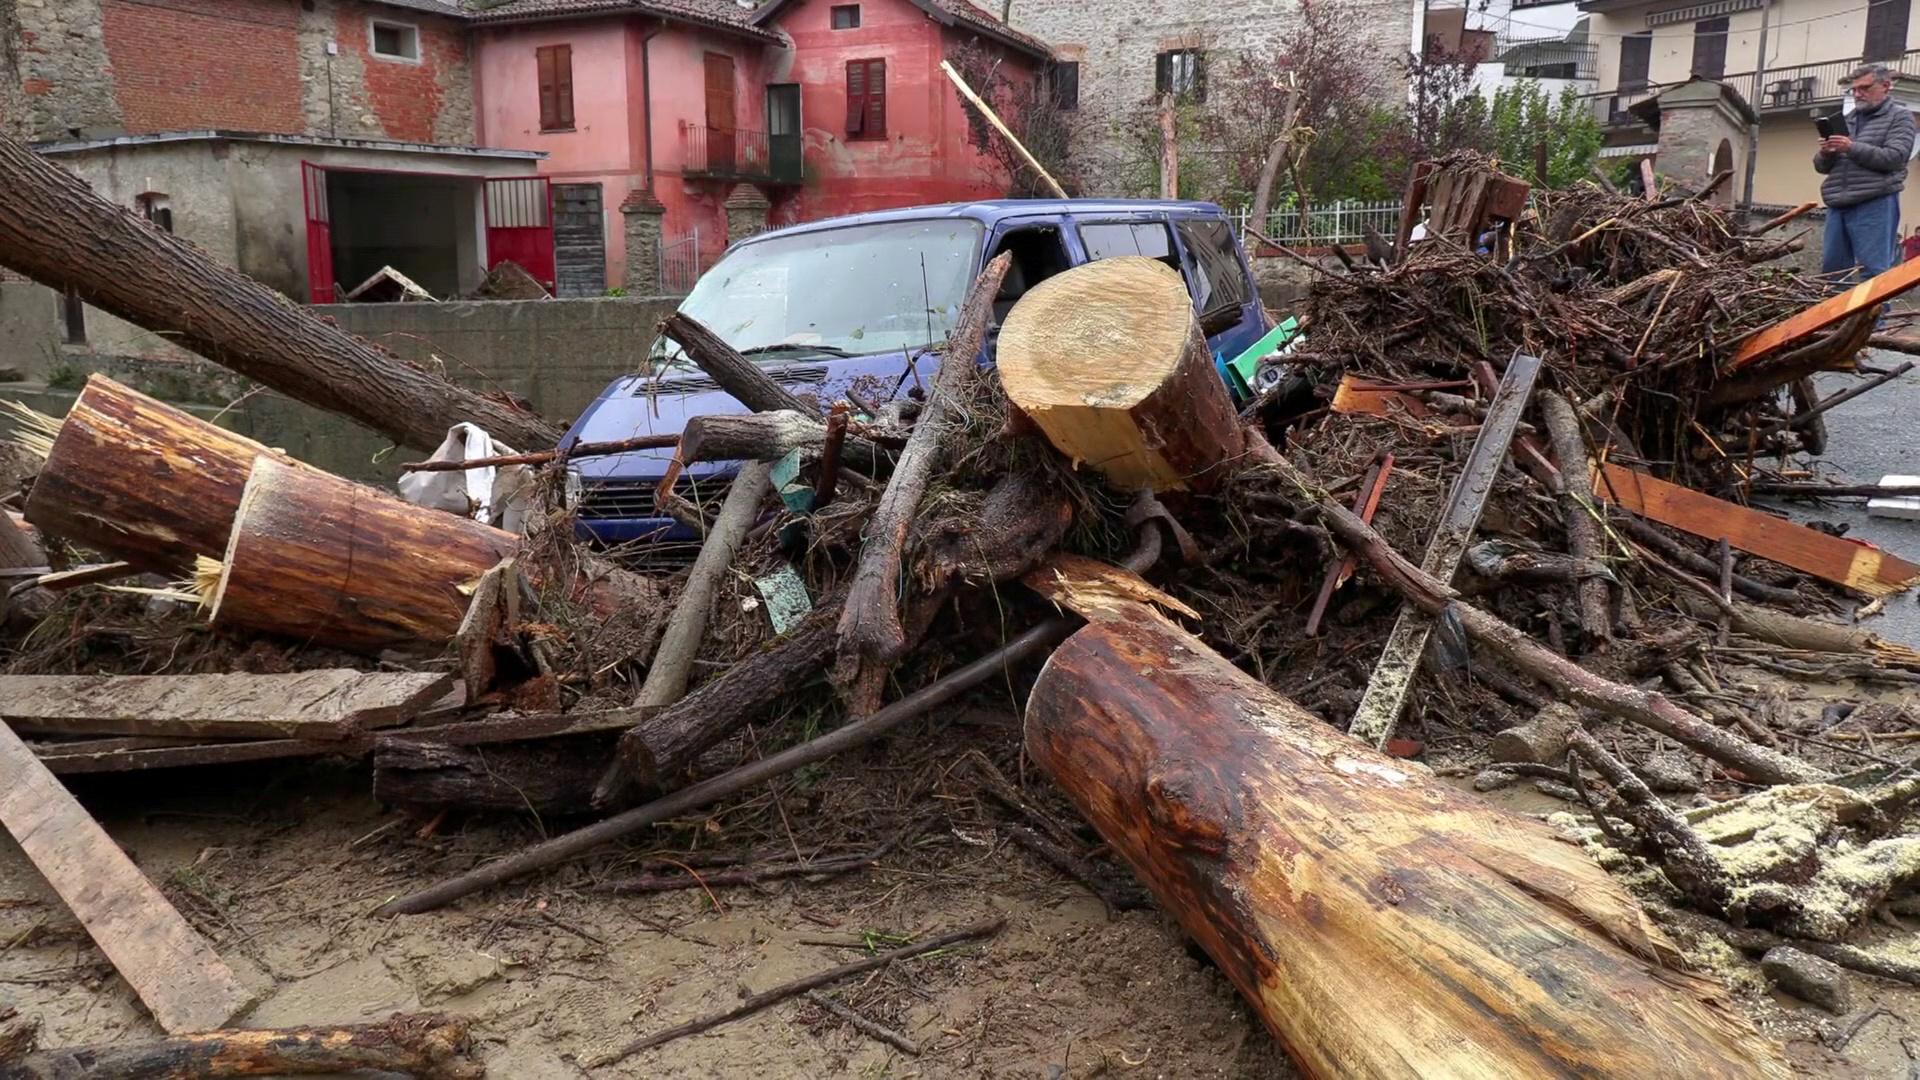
(844, 292)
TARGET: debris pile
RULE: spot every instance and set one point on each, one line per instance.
(1487, 523)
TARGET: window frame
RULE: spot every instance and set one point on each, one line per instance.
(1211, 317)
(1165, 63)
(859, 127)
(1705, 37)
(410, 34)
(1055, 85)
(834, 13)
(1644, 39)
(559, 121)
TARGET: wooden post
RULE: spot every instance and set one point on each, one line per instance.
(1109, 361)
(1170, 150)
(993, 118)
(54, 229)
(1381, 923)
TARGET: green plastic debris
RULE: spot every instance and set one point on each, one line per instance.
(786, 597)
(1241, 368)
(785, 475)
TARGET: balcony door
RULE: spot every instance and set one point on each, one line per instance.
(1636, 61)
(783, 132)
(720, 122)
(1887, 29)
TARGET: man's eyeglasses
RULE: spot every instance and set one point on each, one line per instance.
(1860, 88)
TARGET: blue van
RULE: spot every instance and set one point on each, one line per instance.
(856, 309)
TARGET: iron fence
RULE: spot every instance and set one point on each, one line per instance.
(741, 155)
(1329, 223)
(680, 264)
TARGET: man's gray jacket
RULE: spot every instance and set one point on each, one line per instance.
(1877, 164)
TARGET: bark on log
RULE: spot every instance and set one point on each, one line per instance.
(316, 557)
(1579, 512)
(872, 637)
(142, 480)
(1110, 362)
(1381, 923)
(54, 229)
(427, 1047)
(767, 436)
(552, 776)
(747, 381)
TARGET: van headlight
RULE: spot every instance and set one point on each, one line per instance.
(570, 494)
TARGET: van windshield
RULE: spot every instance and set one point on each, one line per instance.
(844, 292)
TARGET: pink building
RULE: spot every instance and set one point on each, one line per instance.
(671, 126)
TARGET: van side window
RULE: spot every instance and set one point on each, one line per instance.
(1106, 239)
(1218, 282)
(1038, 254)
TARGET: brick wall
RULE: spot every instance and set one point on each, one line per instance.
(1115, 42)
(99, 68)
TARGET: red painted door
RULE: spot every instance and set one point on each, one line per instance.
(520, 225)
(720, 123)
(313, 183)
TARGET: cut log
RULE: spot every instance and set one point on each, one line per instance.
(150, 484)
(56, 230)
(305, 705)
(766, 436)
(1109, 361)
(1381, 923)
(1541, 740)
(1578, 512)
(178, 976)
(316, 557)
(1843, 562)
(426, 1047)
(552, 776)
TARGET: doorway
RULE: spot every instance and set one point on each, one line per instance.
(579, 240)
(720, 117)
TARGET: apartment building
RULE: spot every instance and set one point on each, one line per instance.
(1789, 60)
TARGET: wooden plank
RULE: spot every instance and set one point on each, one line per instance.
(1410, 209)
(1843, 562)
(330, 704)
(1805, 324)
(143, 754)
(183, 982)
(1353, 397)
(1386, 693)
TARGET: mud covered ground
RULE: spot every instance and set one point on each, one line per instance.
(280, 866)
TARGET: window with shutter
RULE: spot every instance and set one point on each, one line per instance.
(866, 99)
(555, 63)
(1887, 29)
(1636, 60)
(1710, 47)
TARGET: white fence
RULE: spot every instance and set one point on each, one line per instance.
(1328, 223)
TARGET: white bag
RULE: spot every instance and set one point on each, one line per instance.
(490, 495)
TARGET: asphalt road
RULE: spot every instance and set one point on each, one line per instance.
(1874, 435)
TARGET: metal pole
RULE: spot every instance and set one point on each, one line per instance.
(1759, 80)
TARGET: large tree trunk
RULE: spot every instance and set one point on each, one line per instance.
(316, 557)
(54, 229)
(1382, 923)
(551, 776)
(142, 481)
(1109, 361)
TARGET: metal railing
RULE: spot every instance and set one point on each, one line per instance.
(679, 264)
(1801, 86)
(1548, 58)
(1330, 223)
(739, 155)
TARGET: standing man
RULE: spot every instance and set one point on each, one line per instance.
(1865, 172)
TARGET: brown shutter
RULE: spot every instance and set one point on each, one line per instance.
(856, 96)
(549, 106)
(876, 98)
(563, 83)
(1886, 29)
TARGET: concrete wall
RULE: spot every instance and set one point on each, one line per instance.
(97, 68)
(1115, 42)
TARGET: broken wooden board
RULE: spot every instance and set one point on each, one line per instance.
(1804, 324)
(331, 704)
(1386, 693)
(183, 982)
(139, 754)
(1356, 397)
(1843, 562)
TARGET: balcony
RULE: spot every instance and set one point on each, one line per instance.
(739, 156)
(1806, 87)
(1548, 58)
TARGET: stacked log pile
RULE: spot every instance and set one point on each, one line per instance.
(1490, 520)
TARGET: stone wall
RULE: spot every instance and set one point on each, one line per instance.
(1115, 43)
(88, 69)
(13, 97)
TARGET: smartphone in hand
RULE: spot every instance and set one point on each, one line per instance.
(1829, 126)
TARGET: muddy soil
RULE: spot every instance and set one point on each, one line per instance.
(280, 867)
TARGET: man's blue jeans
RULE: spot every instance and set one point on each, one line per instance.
(1864, 235)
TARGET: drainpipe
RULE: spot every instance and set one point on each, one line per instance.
(1759, 78)
(646, 100)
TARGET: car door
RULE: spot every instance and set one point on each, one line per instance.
(1224, 298)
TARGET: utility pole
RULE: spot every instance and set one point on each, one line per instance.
(1759, 86)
